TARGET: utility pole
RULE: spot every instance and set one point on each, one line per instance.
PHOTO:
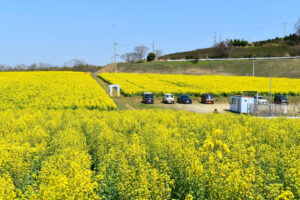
(153, 46)
(284, 27)
(270, 101)
(215, 39)
(271, 89)
(253, 65)
(270, 84)
(115, 55)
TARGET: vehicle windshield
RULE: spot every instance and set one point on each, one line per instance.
(209, 96)
(283, 97)
(184, 97)
(169, 96)
(149, 96)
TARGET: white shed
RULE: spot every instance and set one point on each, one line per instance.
(239, 103)
(111, 88)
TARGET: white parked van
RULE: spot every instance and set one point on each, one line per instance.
(168, 98)
(260, 100)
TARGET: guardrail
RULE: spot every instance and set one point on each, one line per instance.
(230, 59)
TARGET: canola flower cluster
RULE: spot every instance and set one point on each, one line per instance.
(52, 90)
(147, 154)
(135, 84)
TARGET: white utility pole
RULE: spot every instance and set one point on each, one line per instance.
(270, 84)
(115, 55)
(253, 65)
(271, 89)
(284, 24)
(215, 39)
(153, 46)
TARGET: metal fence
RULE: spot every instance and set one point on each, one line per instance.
(274, 110)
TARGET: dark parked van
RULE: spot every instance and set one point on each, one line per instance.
(207, 98)
(185, 99)
(280, 99)
(148, 98)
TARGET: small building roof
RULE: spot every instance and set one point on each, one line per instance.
(242, 96)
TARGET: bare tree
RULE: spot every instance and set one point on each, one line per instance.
(126, 57)
(2, 67)
(20, 67)
(141, 51)
(158, 53)
(134, 57)
(297, 27)
(131, 57)
(137, 55)
(74, 62)
(42, 65)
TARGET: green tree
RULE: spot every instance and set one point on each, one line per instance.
(150, 57)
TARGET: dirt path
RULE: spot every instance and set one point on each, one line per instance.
(133, 103)
(199, 108)
(129, 107)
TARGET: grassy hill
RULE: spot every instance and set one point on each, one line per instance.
(268, 50)
(278, 47)
(287, 46)
(278, 68)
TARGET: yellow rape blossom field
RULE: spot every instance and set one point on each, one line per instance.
(146, 154)
(52, 90)
(135, 84)
(59, 141)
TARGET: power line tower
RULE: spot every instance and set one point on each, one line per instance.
(115, 56)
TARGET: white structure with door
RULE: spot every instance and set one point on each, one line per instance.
(111, 89)
(239, 103)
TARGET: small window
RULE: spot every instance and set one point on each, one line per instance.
(233, 101)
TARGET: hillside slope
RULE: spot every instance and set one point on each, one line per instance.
(278, 68)
(267, 50)
(277, 47)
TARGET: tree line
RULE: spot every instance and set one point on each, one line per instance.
(73, 65)
(139, 53)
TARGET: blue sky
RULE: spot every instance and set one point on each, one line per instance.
(56, 31)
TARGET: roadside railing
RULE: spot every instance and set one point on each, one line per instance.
(274, 110)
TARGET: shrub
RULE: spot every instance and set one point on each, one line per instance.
(150, 57)
(189, 57)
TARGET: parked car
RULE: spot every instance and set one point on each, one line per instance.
(260, 100)
(168, 98)
(281, 99)
(148, 98)
(185, 99)
(207, 98)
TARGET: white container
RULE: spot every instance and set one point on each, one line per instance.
(239, 103)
